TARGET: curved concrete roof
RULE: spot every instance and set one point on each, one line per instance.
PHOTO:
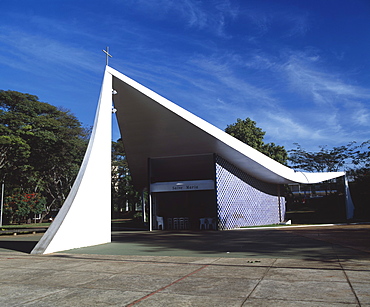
(152, 126)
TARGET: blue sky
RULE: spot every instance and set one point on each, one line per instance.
(300, 69)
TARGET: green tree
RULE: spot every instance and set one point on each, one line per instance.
(248, 132)
(361, 157)
(21, 206)
(352, 158)
(360, 177)
(123, 192)
(41, 147)
(324, 160)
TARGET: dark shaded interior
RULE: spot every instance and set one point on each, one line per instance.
(192, 205)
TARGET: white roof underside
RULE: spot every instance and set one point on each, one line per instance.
(152, 126)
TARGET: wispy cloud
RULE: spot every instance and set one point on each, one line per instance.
(291, 22)
(218, 59)
(35, 53)
(223, 69)
(320, 104)
(282, 125)
(299, 24)
(360, 115)
(304, 74)
(210, 16)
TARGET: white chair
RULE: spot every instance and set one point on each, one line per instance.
(181, 223)
(160, 223)
(211, 222)
(175, 223)
(203, 223)
(207, 223)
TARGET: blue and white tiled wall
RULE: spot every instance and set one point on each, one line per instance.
(243, 200)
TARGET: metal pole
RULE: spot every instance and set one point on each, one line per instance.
(2, 203)
(150, 213)
(279, 202)
(143, 206)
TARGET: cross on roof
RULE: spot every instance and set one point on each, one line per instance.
(107, 55)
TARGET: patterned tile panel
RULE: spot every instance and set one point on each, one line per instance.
(243, 200)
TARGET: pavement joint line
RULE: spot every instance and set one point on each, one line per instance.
(211, 263)
(40, 298)
(259, 281)
(349, 283)
(165, 287)
(306, 268)
(139, 261)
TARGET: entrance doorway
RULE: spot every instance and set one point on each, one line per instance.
(191, 205)
(183, 187)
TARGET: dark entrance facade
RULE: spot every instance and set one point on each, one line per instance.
(184, 210)
(207, 192)
(183, 191)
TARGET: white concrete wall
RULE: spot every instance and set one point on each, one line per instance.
(85, 217)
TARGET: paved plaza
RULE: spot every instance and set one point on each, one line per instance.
(311, 266)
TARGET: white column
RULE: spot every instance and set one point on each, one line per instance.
(150, 212)
(349, 204)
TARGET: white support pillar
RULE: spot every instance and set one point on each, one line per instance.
(350, 209)
(150, 212)
(2, 203)
(279, 203)
(143, 205)
(85, 217)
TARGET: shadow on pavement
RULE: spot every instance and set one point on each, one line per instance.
(19, 246)
(309, 243)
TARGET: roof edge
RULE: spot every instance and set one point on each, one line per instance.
(283, 174)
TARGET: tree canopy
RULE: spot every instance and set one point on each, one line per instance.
(247, 131)
(324, 160)
(124, 195)
(41, 148)
(352, 158)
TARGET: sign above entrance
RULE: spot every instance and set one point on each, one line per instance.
(197, 185)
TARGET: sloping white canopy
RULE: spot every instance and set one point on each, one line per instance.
(152, 126)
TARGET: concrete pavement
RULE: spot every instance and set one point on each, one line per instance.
(321, 266)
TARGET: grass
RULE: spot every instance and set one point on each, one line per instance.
(127, 223)
(300, 211)
(261, 226)
(33, 225)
